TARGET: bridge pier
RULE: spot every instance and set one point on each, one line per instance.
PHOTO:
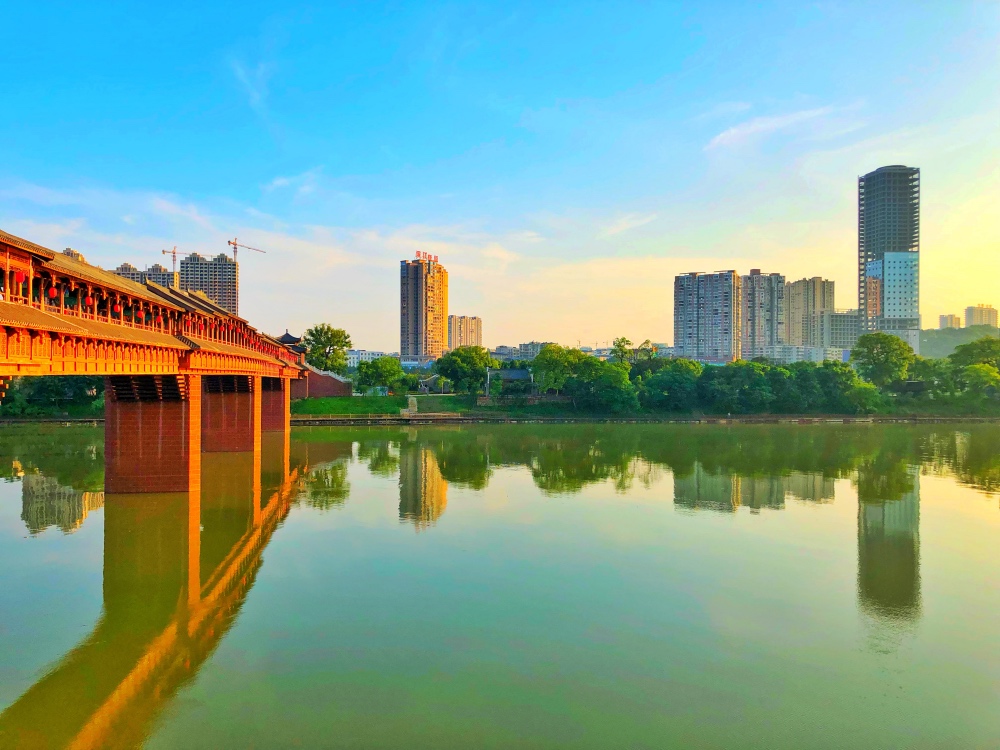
(231, 413)
(152, 433)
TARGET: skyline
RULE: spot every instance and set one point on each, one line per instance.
(562, 183)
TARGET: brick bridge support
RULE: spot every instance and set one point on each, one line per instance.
(152, 433)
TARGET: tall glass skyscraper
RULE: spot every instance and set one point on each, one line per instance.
(889, 252)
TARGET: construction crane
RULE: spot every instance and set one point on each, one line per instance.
(236, 245)
(173, 254)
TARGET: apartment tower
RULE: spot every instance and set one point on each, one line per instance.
(423, 308)
(707, 312)
(762, 312)
(889, 252)
(464, 330)
(808, 305)
(156, 273)
(980, 315)
(949, 321)
(218, 278)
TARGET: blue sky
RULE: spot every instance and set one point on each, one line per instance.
(563, 160)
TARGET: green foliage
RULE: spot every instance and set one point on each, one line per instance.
(673, 387)
(621, 349)
(982, 379)
(984, 351)
(350, 405)
(466, 367)
(384, 372)
(602, 386)
(54, 395)
(881, 358)
(937, 344)
(554, 365)
(326, 347)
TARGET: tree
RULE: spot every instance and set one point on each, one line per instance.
(740, 388)
(384, 372)
(621, 349)
(326, 347)
(882, 359)
(554, 365)
(674, 387)
(982, 380)
(984, 351)
(601, 386)
(466, 367)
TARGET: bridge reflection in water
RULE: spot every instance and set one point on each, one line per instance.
(177, 568)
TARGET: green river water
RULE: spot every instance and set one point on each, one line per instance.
(510, 586)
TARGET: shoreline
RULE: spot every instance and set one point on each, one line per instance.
(364, 420)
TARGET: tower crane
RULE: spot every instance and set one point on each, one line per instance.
(236, 245)
(173, 254)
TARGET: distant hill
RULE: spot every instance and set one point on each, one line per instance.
(940, 343)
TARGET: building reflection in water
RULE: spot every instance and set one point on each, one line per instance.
(889, 553)
(724, 492)
(423, 492)
(46, 503)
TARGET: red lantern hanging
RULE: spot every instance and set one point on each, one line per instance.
(19, 277)
(89, 301)
(117, 308)
(159, 319)
(52, 292)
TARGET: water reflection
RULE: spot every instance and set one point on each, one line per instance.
(423, 491)
(46, 503)
(178, 567)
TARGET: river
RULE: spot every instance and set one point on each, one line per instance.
(510, 586)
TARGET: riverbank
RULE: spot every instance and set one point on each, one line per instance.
(361, 420)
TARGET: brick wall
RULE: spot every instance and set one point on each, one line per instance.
(316, 385)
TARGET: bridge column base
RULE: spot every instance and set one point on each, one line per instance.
(152, 434)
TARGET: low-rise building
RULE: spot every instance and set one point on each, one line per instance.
(357, 356)
(786, 354)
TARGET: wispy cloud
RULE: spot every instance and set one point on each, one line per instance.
(253, 81)
(722, 109)
(625, 223)
(303, 184)
(741, 134)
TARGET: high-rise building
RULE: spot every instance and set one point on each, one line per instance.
(841, 329)
(423, 308)
(808, 304)
(707, 310)
(218, 278)
(889, 252)
(157, 274)
(464, 330)
(130, 272)
(980, 315)
(762, 312)
(949, 321)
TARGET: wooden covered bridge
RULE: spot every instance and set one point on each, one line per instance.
(183, 375)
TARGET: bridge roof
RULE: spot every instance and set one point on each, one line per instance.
(23, 316)
(61, 264)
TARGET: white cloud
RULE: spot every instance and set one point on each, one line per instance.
(740, 134)
(626, 222)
